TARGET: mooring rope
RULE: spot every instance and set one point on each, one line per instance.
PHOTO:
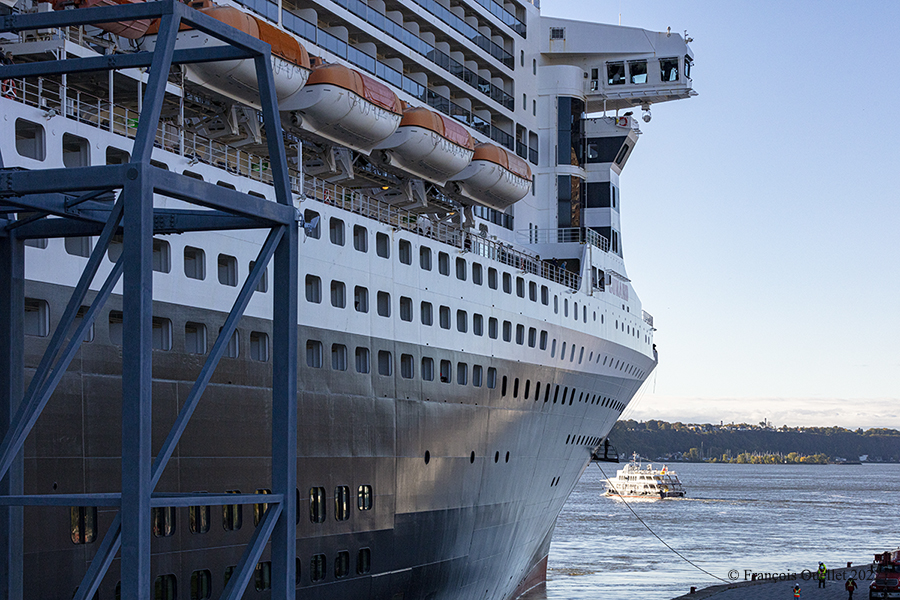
(679, 554)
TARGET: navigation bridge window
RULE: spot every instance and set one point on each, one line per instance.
(668, 69)
(637, 70)
(615, 72)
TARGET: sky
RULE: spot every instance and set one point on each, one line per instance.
(759, 218)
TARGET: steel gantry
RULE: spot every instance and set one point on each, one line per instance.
(75, 202)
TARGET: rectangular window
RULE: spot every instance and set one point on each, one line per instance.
(361, 299)
(317, 567)
(37, 319)
(444, 314)
(76, 151)
(360, 238)
(363, 561)
(492, 328)
(543, 340)
(382, 245)
(317, 504)
(462, 324)
(492, 377)
(161, 258)
(444, 263)
(362, 360)
(445, 371)
(520, 287)
(637, 71)
(365, 498)
(405, 252)
(341, 503)
(427, 368)
(227, 266)
(338, 357)
(263, 576)
(79, 317)
(83, 524)
(462, 373)
(115, 324)
(507, 331)
(507, 283)
(492, 278)
(259, 346)
(477, 273)
(615, 73)
(668, 69)
(79, 246)
(477, 324)
(384, 304)
(385, 363)
(553, 348)
(232, 514)
(341, 564)
(545, 295)
(311, 224)
(37, 243)
(461, 268)
(520, 334)
(165, 587)
(161, 334)
(194, 263)
(314, 354)
(233, 350)
(532, 291)
(425, 258)
(30, 140)
(199, 519)
(338, 294)
(260, 508)
(405, 308)
(336, 231)
(477, 374)
(427, 316)
(532, 337)
(407, 369)
(201, 584)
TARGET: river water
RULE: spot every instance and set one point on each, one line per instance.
(737, 519)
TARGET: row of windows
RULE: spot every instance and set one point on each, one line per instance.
(37, 323)
(165, 587)
(315, 350)
(83, 519)
(583, 440)
(595, 399)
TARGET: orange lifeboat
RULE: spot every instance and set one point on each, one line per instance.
(348, 108)
(131, 30)
(237, 78)
(428, 145)
(496, 177)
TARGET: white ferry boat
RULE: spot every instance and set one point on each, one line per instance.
(466, 330)
(638, 481)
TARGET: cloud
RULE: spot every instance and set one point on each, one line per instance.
(810, 412)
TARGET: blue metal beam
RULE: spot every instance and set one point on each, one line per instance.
(12, 368)
(137, 383)
(165, 222)
(119, 61)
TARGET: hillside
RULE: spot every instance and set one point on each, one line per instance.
(674, 441)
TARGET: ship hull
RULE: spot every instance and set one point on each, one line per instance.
(475, 520)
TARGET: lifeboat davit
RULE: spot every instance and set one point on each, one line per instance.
(237, 78)
(348, 108)
(131, 30)
(428, 145)
(496, 177)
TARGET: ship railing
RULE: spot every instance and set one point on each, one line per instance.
(57, 99)
(648, 318)
(563, 235)
(354, 201)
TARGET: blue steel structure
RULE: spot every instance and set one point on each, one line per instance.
(76, 202)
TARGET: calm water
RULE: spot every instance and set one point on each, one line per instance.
(764, 518)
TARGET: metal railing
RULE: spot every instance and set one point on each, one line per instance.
(51, 96)
(563, 235)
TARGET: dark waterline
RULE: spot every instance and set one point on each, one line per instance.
(736, 519)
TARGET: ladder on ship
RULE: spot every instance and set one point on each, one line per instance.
(71, 202)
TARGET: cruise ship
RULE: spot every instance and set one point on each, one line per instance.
(398, 404)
